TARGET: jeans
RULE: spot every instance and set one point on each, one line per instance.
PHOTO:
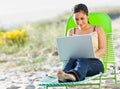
(83, 67)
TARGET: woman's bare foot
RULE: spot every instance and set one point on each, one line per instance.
(62, 76)
(70, 77)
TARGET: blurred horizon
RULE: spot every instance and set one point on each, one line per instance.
(15, 12)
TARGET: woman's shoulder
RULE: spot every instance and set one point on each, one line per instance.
(72, 31)
(99, 29)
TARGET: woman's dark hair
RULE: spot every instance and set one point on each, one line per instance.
(80, 7)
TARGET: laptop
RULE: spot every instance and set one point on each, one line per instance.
(78, 46)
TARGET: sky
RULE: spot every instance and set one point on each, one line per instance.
(13, 12)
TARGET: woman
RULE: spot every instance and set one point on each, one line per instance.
(78, 69)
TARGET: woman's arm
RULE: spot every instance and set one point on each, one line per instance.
(101, 42)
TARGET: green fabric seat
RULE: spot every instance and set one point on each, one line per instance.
(98, 19)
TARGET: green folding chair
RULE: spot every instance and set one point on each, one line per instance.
(98, 19)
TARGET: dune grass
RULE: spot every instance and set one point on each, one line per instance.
(41, 44)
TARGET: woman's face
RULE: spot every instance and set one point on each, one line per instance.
(81, 19)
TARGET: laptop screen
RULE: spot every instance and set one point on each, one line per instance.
(80, 46)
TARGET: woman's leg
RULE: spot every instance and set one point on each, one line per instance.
(86, 67)
(62, 75)
(82, 67)
(80, 70)
(95, 66)
(70, 64)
